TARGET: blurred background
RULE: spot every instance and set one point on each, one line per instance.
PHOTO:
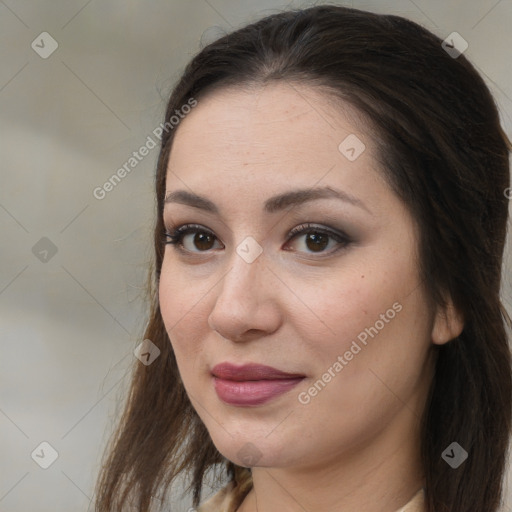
(82, 86)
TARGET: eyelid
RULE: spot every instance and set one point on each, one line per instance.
(313, 227)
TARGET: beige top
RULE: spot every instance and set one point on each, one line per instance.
(230, 497)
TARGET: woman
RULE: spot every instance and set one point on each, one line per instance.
(329, 239)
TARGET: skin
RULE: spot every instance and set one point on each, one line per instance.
(355, 445)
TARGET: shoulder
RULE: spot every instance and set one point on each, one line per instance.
(417, 503)
(229, 498)
(221, 501)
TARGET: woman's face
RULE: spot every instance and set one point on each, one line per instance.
(341, 308)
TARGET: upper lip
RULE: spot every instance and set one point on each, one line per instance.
(250, 371)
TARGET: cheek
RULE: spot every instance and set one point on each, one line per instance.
(355, 388)
(182, 305)
(339, 307)
(369, 305)
(377, 353)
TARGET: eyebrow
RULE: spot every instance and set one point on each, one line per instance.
(271, 205)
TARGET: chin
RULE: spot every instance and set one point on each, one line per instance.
(257, 450)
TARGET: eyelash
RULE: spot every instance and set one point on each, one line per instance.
(175, 237)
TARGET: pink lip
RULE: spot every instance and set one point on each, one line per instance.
(251, 384)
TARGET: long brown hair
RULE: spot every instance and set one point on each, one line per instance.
(444, 153)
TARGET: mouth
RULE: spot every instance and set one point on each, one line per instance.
(251, 384)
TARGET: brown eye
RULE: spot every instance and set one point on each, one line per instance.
(316, 239)
(202, 240)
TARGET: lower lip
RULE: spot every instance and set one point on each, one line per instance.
(252, 392)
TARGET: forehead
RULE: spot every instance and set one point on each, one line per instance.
(279, 124)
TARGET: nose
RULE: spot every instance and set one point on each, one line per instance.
(247, 302)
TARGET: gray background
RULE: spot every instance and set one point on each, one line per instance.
(68, 325)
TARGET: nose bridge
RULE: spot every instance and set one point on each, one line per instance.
(247, 267)
(242, 300)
